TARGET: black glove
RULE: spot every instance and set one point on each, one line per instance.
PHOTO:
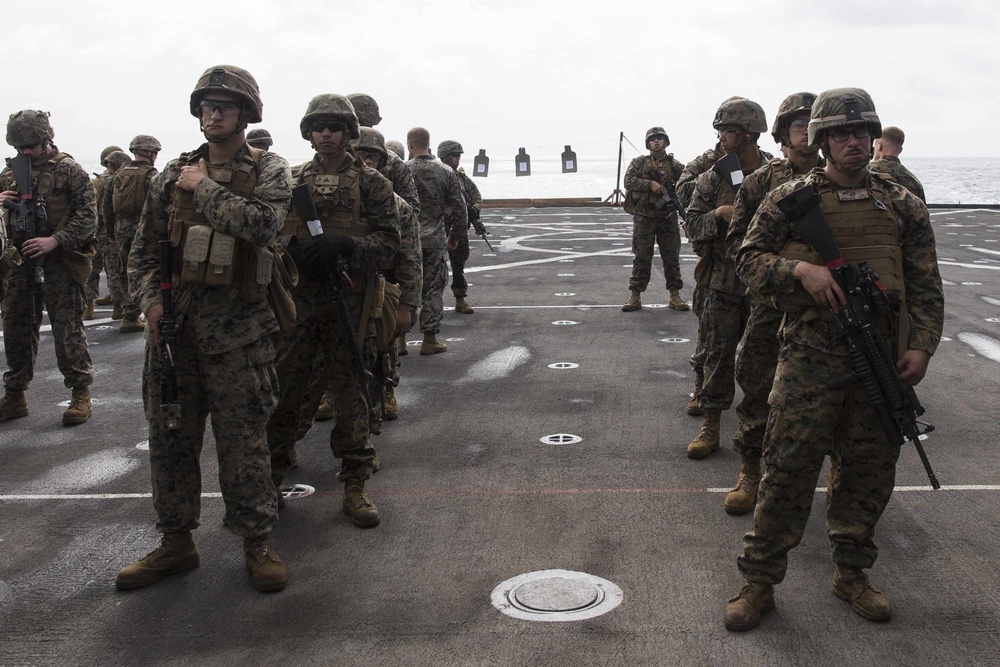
(473, 214)
(321, 254)
(295, 250)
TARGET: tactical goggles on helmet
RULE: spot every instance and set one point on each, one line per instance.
(841, 134)
(225, 108)
(325, 124)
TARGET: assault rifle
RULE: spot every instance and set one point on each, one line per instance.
(27, 214)
(474, 218)
(895, 404)
(169, 406)
(339, 282)
(479, 227)
(669, 201)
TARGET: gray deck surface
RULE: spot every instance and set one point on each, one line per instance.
(470, 496)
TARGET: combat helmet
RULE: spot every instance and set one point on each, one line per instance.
(366, 109)
(259, 138)
(330, 105)
(108, 151)
(230, 79)
(29, 128)
(793, 104)
(449, 147)
(397, 148)
(144, 142)
(372, 140)
(743, 112)
(654, 132)
(840, 106)
(117, 159)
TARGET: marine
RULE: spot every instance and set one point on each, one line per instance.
(646, 180)
(93, 287)
(758, 354)
(870, 218)
(358, 232)
(61, 252)
(740, 123)
(220, 207)
(124, 199)
(443, 220)
(450, 153)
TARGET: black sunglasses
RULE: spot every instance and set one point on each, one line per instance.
(332, 125)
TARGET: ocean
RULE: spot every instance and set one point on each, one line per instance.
(946, 180)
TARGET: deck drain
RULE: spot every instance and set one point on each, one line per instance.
(564, 323)
(564, 294)
(4, 592)
(560, 365)
(297, 491)
(104, 327)
(144, 445)
(561, 439)
(654, 305)
(453, 340)
(413, 343)
(675, 340)
(556, 595)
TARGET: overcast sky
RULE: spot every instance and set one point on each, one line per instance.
(507, 73)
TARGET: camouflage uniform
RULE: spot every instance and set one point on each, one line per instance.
(807, 416)
(651, 225)
(317, 326)
(759, 355)
(897, 173)
(223, 355)
(72, 220)
(725, 311)
(440, 192)
(460, 255)
(124, 225)
(107, 249)
(695, 168)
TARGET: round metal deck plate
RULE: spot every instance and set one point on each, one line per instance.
(556, 595)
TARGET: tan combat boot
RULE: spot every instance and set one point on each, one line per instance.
(432, 345)
(401, 346)
(269, 573)
(362, 511)
(851, 584)
(707, 440)
(743, 611)
(694, 408)
(175, 554)
(462, 306)
(13, 405)
(676, 302)
(88, 314)
(742, 498)
(132, 324)
(325, 410)
(634, 302)
(391, 409)
(79, 407)
(104, 300)
(116, 310)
